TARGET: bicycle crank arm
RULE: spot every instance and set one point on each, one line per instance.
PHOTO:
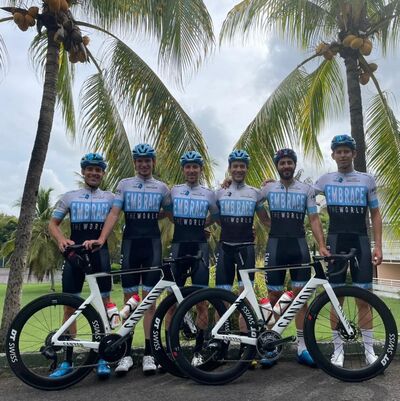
(276, 343)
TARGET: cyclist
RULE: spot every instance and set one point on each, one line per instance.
(190, 205)
(87, 208)
(237, 203)
(349, 195)
(289, 200)
(141, 198)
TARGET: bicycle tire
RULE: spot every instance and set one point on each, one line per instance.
(383, 337)
(159, 337)
(221, 364)
(32, 328)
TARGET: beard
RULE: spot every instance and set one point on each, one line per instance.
(286, 174)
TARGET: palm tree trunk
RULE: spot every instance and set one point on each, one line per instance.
(28, 203)
(356, 112)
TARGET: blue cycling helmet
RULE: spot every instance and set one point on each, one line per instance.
(93, 159)
(239, 155)
(192, 157)
(343, 140)
(280, 154)
(143, 150)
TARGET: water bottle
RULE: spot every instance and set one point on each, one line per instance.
(267, 311)
(113, 315)
(130, 306)
(284, 301)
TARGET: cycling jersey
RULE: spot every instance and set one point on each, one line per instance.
(237, 205)
(190, 206)
(141, 200)
(288, 207)
(348, 197)
(88, 209)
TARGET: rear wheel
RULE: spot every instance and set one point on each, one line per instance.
(357, 357)
(202, 357)
(30, 353)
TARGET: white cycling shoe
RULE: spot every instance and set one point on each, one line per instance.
(197, 359)
(124, 366)
(149, 365)
(337, 359)
(370, 358)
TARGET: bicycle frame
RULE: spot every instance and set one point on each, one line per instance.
(95, 299)
(318, 279)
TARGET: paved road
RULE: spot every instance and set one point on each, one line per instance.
(285, 382)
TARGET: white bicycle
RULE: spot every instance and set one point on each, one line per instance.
(235, 331)
(39, 338)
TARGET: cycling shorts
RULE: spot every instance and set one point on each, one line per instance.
(287, 251)
(200, 272)
(73, 277)
(136, 254)
(228, 258)
(361, 275)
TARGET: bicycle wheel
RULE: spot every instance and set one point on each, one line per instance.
(30, 353)
(356, 357)
(202, 357)
(159, 332)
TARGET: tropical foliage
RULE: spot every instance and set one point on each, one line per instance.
(343, 34)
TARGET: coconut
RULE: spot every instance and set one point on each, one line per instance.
(348, 39)
(33, 11)
(82, 57)
(356, 43)
(30, 20)
(73, 56)
(364, 78)
(23, 26)
(54, 5)
(86, 40)
(18, 18)
(366, 48)
(328, 55)
(373, 67)
(64, 5)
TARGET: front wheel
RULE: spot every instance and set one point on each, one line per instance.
(351, 357)
(30, 353)
(202, 357)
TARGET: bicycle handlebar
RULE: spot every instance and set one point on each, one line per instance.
(338, 256)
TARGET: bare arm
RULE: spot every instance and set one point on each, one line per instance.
(109, 224)
(376, 220)
(56, 233)
(264, 218)
(316, 228)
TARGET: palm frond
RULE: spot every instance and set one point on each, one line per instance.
(37, 54)
(158, 116)
(103, 128)
(302, 21)
(324, 99)
(3, 58)
(182, 28)
(64, 92)
(383, 150)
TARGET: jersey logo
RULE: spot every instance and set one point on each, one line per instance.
(187, 193)
(140, 186)
(87, 196)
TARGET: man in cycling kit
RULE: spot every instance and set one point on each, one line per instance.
(237, 205)
(87, 208)
(289, 200)
(349, 195)
(189, 207)
(141, 198)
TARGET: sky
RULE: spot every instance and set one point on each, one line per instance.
(222, 99)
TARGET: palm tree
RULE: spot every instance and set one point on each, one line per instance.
(343, 34)
(123, 84)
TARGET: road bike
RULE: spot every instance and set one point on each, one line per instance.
(350, 333)
(40, 336)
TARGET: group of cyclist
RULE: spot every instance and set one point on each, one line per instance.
(192, 207)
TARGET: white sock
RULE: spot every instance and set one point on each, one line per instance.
(337, 342)
(301, 345)
(368, 339)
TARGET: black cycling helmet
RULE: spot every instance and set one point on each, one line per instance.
(280, 154)
(343, 140)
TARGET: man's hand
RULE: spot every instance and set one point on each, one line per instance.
(63, 243)
(377, 256)
(226, 183)
(94, 243)
(267, 181)
(324, 251)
